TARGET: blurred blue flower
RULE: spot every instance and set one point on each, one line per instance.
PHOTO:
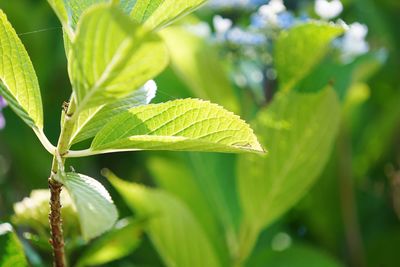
(241, 37)
(285, 20)
(3, 104)
(221, 4)
(267, 15)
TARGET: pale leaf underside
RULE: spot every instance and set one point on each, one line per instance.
(96, 210)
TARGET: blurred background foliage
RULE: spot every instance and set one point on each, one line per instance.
(349, 215)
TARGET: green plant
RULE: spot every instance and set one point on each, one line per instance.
(113, 49)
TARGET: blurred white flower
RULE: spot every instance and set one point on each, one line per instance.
(221, 25)
(269, 12)
(151, 89)
(354, 43)
(328, 9)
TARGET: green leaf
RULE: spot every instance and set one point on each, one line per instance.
(177, 236)
(299, 130)
(112, 57)
(174, 175)
(298, 255)
(159, 13)
(193, 59)
(18, 81)
(184, 125)
(60, 9)
(90, 121)
(330, 70)
(75, 9)
(96, 210)
(11, 250)
(299, 49)
(216, 182)
(69, 12)
(116, 244)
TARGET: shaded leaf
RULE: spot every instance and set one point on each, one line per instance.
(300, 130)
(299, 49)
(298, 255)
(185, 125)
(175, 176)
(119, 242)
(177, 236)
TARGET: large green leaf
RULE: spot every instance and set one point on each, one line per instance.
(299, 129)
(174, 175)
(112, 56)
(299, 49)
(185, 125)
(217, 183)
(11, 250)
(96, 210)
(196, 62)
(18, 81)
(158, 13)
(90, 121)
(177, 236)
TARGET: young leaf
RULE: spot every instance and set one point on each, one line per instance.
(90, 121)
(75, 9)
(184, 125)
(69, 12)
(159, 13)
(199, 66)
(18, 81)
(96, 210)
(11, 250)
(112, 56)
(299, 130)
(301, 48)
(177, 236)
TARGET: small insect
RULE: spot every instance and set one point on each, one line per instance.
(65, 106)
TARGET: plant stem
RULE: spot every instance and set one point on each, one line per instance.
(55, 185)
(348, 202)
(57, 238)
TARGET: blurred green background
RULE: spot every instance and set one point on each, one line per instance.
(352, 213)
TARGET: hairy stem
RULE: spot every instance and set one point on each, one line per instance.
(55, 185)
(57, 238)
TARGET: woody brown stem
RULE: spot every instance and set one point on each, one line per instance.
(57, 239)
